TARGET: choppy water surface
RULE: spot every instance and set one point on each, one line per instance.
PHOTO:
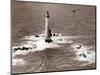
(83, 54)
(75, 25)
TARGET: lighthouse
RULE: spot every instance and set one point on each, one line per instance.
(48, 33)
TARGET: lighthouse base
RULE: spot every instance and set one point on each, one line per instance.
(48, 40)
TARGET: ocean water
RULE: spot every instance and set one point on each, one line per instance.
(76, 26)
(38, 44)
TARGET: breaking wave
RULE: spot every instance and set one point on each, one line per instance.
(18, 61)
(84, 53)
(35, 43)
(38, 43)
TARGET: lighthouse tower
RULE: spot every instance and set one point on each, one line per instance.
(48, 33)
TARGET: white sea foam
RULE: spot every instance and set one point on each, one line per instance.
(84, 54)
(38, 43)
(20, 52)
(61, 40)
(18, 61)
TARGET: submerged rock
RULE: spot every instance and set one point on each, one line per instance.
(36, 35)
(84, 55)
